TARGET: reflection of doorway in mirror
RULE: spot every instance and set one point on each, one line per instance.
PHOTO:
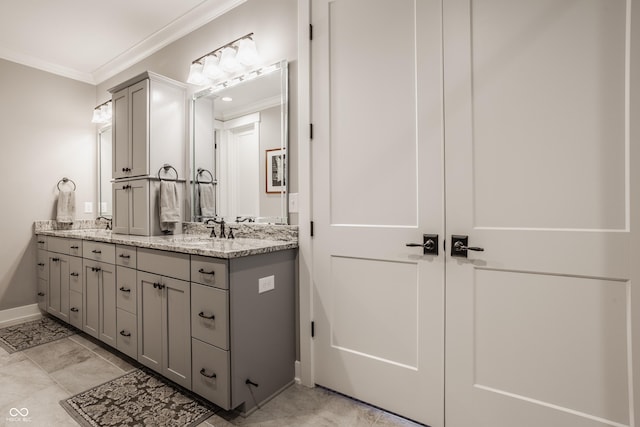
(239, 166)
(276, 174)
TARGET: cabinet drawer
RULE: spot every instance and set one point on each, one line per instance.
(127, 339)
(210, 373)
(209, 271)
(207, 302)
(43, 260)
(126, 256)
(41, 241)
(58, 244)
(75, 247)
(170, 264)
(126, 293)
(98, 251)
(75, 309)
(75, 274)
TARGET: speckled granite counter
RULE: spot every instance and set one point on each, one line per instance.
(197, 244)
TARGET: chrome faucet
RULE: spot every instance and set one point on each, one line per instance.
(109, 221)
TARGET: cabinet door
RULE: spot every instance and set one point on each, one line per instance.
(139, 207)
(120, 132)
(139, 128)
(91, 297)
(177, 324)
(121, 208)
(58, 302)
(150, 317)
(107, 304)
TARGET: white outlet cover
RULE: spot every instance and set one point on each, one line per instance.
(88, 207)
(293, 202)
(266, 284)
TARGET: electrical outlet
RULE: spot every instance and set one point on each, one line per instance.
(88, 207)
(266, 284)
(103, 206)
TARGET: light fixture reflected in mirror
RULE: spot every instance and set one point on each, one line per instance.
(102, 113)
(224, 62)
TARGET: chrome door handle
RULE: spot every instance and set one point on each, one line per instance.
(429, 244)
(459, 246)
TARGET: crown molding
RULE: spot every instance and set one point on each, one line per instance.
(191, 21)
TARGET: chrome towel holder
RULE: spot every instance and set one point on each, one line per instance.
(64, 181)
(166, 168)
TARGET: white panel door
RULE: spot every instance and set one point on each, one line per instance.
(541, 129)
(377, 185)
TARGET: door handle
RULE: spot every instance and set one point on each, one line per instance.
(459, 246)
(429, 244)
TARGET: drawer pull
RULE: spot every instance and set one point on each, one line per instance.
(125, 256)
(125, 333)
(95, 269)
(75, 247)
(41, 264)
(203, 372)
(96, 251)
(40, 294)
(75, 310)
(74, 274)
(201, 314)
(123, 289)
(206, 272)
(41, 242)
(158, 285)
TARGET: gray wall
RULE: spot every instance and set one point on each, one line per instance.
(46, 133)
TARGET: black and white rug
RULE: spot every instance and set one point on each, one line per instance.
(138, 398)
(30, 334)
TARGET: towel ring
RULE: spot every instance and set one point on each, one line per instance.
(166, 168)
(64, 181)
(200, 172)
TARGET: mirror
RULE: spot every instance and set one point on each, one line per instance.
(239, 145)
(104, 172)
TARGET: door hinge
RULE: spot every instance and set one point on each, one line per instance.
(310, 130)
(310, 32)
(311, 231)
(313, 329)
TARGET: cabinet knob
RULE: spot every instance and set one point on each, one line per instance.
(158, 286)
(203, 372)
(75, 310)
(201, 314)
(55, 259)
(125, 333)
(95, 269)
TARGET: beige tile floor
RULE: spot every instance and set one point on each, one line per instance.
(38, 378)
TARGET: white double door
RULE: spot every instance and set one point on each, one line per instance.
(513, 122)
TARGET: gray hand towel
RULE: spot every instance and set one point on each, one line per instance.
(207, 200)
(169, 205)
(66, 208)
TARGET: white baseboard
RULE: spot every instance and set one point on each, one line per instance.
(13, 316)
(297, 372)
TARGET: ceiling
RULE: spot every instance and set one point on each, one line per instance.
(92, 40)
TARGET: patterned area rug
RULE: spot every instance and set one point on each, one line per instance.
(30, 334)
(138, 398)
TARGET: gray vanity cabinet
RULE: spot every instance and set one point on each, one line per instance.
(131, 207)
(164, 328)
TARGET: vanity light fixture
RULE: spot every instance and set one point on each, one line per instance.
(102, 113)
(224, 61)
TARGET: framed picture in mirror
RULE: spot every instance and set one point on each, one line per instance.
(276, 174)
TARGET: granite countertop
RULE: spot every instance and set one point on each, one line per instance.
(196, 244)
